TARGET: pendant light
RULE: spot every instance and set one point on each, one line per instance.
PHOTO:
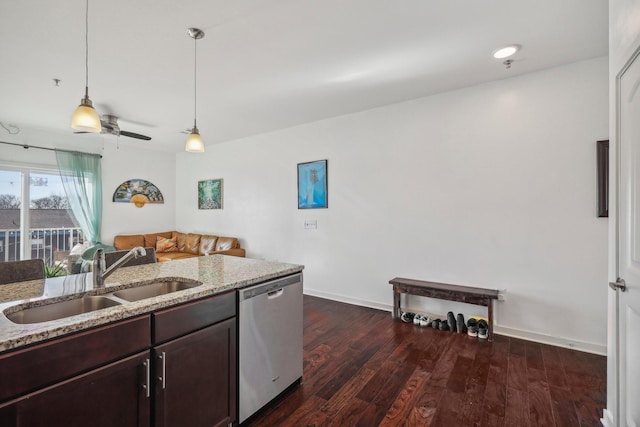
(86, 118)
(194, 143)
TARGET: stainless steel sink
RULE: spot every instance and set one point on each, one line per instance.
(60, 310)
(154, 289)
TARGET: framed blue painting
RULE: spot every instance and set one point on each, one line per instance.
(312, 185)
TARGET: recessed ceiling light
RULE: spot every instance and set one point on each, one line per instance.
(506, 51)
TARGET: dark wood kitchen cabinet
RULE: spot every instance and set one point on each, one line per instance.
(173, 367)
(94, 377)
(195, 378)
(108, 396)
(195, 373)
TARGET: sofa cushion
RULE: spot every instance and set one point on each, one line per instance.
(129, 242)
(225, 243)
(181, 239)
(207, 244)
(166, 245)
(171, 256)
(150, 239)
(192, 243)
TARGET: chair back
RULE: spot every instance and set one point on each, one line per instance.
(21, 271)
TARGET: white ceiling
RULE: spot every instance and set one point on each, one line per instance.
(267, 64)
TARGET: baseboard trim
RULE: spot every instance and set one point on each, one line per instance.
(348, 300)
(607, 418)
(585, 346)
(499, 330)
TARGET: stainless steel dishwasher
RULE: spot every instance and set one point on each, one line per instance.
(270, 341)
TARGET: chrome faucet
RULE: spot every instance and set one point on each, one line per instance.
(100, 272)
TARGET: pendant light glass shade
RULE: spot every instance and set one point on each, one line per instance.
(194, 143)
(86, 118)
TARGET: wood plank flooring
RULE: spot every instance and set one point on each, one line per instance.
(362, 368)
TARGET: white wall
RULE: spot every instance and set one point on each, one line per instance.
(119, 165)
(120, 162)
(493, 186)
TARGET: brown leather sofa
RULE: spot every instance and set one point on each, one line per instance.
(188, 244)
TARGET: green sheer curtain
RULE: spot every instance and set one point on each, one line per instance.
(81, 175)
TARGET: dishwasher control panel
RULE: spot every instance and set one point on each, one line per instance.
(268, 287)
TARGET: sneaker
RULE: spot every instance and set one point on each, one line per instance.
(444, 326)
(483, 329)
(451, 321)
(460, 323)
(425, 321)
(416, 319)
(435, 324)
(472, 327)
(407, 317)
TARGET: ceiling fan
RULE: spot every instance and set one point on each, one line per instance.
(110, 127)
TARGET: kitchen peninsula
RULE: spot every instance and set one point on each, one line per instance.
(176, 347)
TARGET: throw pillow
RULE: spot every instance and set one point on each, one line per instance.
(166, 245)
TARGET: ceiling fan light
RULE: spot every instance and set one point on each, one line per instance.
(86, 118)
(194, 143)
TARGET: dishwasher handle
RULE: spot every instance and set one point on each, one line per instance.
(275, 294)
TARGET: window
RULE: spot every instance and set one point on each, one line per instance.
(44, 227)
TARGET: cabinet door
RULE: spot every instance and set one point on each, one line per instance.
(196, 378)
(114, 395)
(26, 370)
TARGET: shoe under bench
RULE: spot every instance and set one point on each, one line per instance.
(445, 291)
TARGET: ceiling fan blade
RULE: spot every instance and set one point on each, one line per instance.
(134, 135)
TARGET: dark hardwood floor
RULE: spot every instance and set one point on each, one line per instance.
(362, 368)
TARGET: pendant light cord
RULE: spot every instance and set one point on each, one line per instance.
(86, 47)
(195, 81)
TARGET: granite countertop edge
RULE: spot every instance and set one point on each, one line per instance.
(217, 273)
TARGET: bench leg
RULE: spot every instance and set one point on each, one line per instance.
(490, 322)
(396, 304)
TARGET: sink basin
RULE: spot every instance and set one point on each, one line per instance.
(154, 289)
(60, 310)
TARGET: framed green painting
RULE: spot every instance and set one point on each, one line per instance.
(210, 194)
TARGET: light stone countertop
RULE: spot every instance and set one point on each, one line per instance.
(218, 273)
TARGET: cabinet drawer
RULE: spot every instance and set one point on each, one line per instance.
(176, 321)
(112, 395)
(28, 369)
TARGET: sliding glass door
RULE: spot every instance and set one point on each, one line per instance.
(35, 218)
(10, 214)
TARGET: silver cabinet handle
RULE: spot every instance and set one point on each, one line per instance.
(163, 376)
(618, 284)
(147, 380)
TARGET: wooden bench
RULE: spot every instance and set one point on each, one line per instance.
(445, 291)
